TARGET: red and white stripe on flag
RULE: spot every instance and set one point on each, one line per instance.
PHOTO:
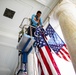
(46, 62)
(63, 53)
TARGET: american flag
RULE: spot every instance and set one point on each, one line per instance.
(46, 62)
(56, 43)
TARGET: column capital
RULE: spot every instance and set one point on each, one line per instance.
(64, 6)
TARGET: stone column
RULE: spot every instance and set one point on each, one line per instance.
(66, 14)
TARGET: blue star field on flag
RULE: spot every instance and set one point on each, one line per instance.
(55, 42)
(40, 41)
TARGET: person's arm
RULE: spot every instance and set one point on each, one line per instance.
(33, 20)
(41, 22)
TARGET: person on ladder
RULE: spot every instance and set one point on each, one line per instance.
(36, 20)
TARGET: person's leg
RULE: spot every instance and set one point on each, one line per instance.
(28, 31)
(33, 30)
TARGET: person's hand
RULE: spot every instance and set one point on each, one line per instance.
(41, 25)
(37, 20)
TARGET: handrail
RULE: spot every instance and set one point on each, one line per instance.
(23, 28)
(23, 21)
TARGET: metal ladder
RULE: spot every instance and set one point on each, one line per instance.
(24, 29)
